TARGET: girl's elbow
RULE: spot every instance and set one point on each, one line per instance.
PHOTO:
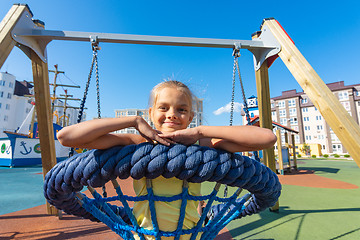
(62, 138)
(271, 139)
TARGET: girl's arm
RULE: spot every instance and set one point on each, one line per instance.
(229, 138)
(98, 133)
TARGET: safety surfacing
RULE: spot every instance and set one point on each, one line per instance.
(320, 201)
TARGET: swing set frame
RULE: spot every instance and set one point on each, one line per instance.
(19, 29)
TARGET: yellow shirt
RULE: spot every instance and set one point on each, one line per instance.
(167, 213)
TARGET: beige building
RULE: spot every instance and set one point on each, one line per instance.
(144, 113)
(295, 110)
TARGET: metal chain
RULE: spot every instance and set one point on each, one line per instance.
(246, 105)
(243, 94)
(82, 104)
(97, 85)
(236, 55)
(95, 47)
(232, 94)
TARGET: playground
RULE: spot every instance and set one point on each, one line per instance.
(318, 202)
(318, 198)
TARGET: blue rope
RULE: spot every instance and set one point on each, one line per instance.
(229, 216)
(205, 211)
(98, 208)
(184, 196)
(128, 211)
(194, 164)
(151, 200)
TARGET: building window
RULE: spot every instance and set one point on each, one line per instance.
(0, 104)
(131, 113)
(292, 111)
(272, 105)
(7, 106)
(281, 104)
(133, 131)
(334, 138)
(291, 103)
(11, 85)
(306, 119)
(319, 127)
(2, 82)
(346, 105)
(307, 128)
(9, 96)
(293, 121)
(6, 118)
(305, 109)
(336, 147)
(283, 121)
(282, 113)
(1, 94)
(343, 95)
(304, 100)
(318, 117)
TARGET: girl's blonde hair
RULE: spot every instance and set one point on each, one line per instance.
(170, 84)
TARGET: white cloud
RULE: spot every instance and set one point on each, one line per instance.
(226, 109)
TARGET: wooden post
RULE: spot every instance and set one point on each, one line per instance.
(44, 117)
(294, 151)
(343, 125)
(280, 157)
(287, 147)
(263, 95)
(6, 26)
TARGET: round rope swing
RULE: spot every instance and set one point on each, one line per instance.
(192, 164)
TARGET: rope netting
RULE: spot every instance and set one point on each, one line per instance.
(192, 164)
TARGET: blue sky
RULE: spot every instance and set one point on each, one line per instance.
(325, 33)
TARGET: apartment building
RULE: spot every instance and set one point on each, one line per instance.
(15, 105)
(295, 110)
(144, 113)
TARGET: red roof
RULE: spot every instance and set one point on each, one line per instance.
(255, 122)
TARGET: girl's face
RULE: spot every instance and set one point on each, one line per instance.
(171, 111)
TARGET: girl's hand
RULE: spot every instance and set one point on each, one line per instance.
(149, 133)
(186, 136)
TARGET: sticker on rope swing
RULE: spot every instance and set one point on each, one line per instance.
(37, 148)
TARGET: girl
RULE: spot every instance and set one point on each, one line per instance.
(171, 113)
